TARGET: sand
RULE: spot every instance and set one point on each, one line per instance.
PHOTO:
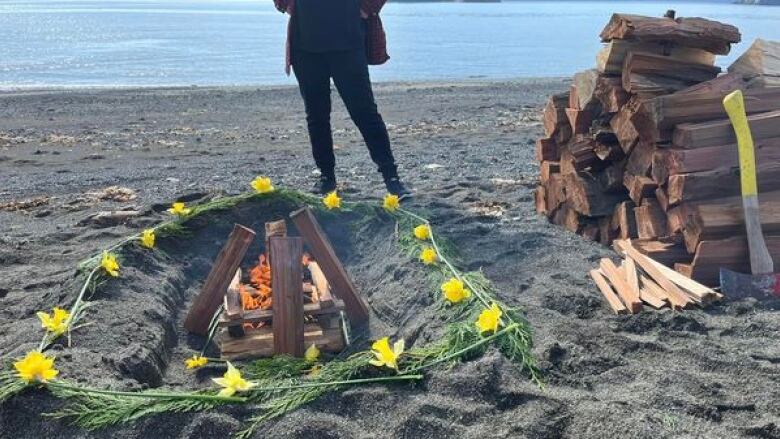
(467, 150)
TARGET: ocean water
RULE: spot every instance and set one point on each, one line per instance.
(67, 43)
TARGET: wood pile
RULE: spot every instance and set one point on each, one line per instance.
(641, 148)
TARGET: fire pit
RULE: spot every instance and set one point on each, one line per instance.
(288, 299)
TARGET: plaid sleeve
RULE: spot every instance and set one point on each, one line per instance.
(372, 7)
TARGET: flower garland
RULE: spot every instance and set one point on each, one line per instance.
(280, 387)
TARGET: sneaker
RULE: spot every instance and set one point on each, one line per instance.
(325, 186)
(395, 187)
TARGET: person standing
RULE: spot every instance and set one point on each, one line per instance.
(338, 39)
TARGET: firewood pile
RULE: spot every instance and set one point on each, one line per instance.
(288, 300)
(641, 148)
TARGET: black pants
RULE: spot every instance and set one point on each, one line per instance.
(349, 70)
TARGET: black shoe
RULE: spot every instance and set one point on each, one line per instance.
(395, 187)
(326, 185)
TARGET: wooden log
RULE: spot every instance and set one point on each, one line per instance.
(574, 102)
(731, 253)
(662, 198)
(665, 112)
(610, 93)
(260, 342)
(608, 293)
(719, 183)
(580, 120)
(722, 84)
(285, 258)
(554, 115)
(612, 56)
(547, 168)
(623, 126)
(699, 33)
(612, 178)
(323, 253)
(640, 161)
(676, 218)
(720, 132)
(222, 272)
(630, 298)
(275, 228)
(322, 284)
(639, 187)
(677, 298)
(587, 196)
(554, 192)
(547, 149)
(650, 220)
(760, 62)
(233, 307)
(624, 221)
(675, 161)
(667, 251)
(651, 75)
(724, 218)
(584, 85)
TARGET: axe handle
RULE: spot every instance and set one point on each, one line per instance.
(760, 259)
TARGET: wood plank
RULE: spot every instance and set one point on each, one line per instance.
(285, 255)
(612, 299)
(667, 251)
(624, 220)
(547, 149)
(639, 187)
(610, 93)
(588, 197)
(554, 117)
(321, 282)
(266, 315)
(650, 220)
(323, 252)
(699, 291)
(222, 272)
(677, 297)
(665, 112)
(233, 307)
(675, 161)
(720, 132)
(554, 192)
(580, 120)
(700, 33)
(719, 183)
(259, 343)
(632, 276)
(584, 85)
(729, 253)
(547, 168)
(761, 61)
(623, 126)
(630, 298)
(724, 218)
(650, 288)
(650, 75)
(663, 200)
(611, 57)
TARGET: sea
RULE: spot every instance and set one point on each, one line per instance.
(131, 43)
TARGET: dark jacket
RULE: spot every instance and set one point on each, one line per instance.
(376, 41)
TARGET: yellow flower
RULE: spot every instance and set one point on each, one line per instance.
(489, 319)
(110, 264)
(391, 203)
(195, 362)
(312, 354)
(422, 232)
(386, 356)
(314, 371)
(179, 209)
(147, 238)
(332, 201)
(56, 322)
(453, 291)
(428, 256)
(262, 185)
(232, 382)
(36, 367)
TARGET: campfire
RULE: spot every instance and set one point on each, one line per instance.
(285, 300)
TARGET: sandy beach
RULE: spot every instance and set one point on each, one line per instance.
(467, 149)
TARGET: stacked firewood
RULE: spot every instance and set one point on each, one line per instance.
(641, 148)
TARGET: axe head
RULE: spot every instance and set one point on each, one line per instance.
(739, 285)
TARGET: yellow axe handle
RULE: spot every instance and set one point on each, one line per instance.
(735, 108)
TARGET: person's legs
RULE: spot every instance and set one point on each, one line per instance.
(350, 75)
(313, 75)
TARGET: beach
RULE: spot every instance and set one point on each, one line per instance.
(467, 149)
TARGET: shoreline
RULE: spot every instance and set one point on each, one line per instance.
(11, 90)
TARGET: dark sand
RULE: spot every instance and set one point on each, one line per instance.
(467, 149)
